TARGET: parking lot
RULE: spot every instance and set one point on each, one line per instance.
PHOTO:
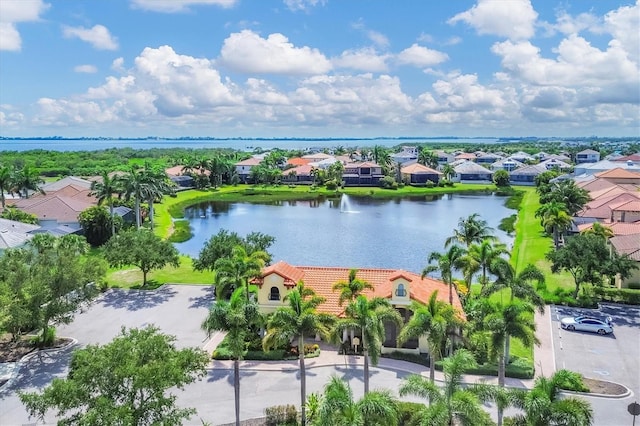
(613, 357)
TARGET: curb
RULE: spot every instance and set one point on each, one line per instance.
(30, 355)
(600, 395)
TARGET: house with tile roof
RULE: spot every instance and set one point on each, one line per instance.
(244, 167)
(507, 164)
(603, 166)
(620, 175)
(602, 208)
(66, 181)
(398, 286)
(634, 158)
(488, 158)
(629, 245)
(301, 174)
(628, 211)
(366, 173)
(471, 172)
(587, 156)
(526, 175)
(522, 157)
(418, 174)
(465, 156)
(14, 234)
(552, 163)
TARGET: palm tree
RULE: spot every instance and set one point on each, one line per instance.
(6, 178)
(512, 320)
(217, 166)
(543, 406)
(432, 320)
(568, 193)
(236, 318)
(337, 407)
(157, 185)
(453, 404)
(471, 230)
(104, 190)
(446, 264)
(369, 316)
(236, 271)
(428, 158)
(297, 320)
(352, 288)
(502, 397)
(483, 255)
(134, 186)
(600, 230)
(27, 179)
(557, 223)
(448, 171)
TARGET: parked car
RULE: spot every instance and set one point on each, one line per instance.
(590, 324)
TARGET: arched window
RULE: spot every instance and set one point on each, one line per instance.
(400, 291)
(274, 293)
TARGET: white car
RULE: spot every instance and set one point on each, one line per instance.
(583, 323)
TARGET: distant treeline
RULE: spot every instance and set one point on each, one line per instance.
(90, 163)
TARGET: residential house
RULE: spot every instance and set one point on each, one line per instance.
(587, 156)
(506, 164)
(297, 161)
(407, 154)
(627, 211)
(244, 167)
(526, 175)
(417, 174)
(182, 181)
(559, 157)
(634, 158)
(541, 156)
(465, 156)
(317, 157)
(602, 208)
(362, 174)
(555, 164)
(629, 245)
(522, 157)
(398, 286)
(603, 166)
(488, 158)
(15, 234)
(445, 157)
(128, 215)
(620, 175)
(302, 174)
(74, 181)
(471, 172)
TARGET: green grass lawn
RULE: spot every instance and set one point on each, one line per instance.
(184, 274)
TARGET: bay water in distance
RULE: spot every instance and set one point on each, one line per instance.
(57, 144)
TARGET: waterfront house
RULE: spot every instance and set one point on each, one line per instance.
(15, 234)
(488, 158)
(506, 164)
(317, 157)
(629, 245)
(398, 286)
(407, 154)
(444, 157)
(555, 164)
(526, 175)
(302, 174)
(522, 157)
(465, 156)
(366, 173)
(417, 174)
(587, 156)
(620, 175)
(471, 172)
(244, 167)
(603, 166)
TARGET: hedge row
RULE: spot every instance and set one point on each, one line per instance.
(618, 295)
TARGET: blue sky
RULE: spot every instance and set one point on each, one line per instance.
(314, 68)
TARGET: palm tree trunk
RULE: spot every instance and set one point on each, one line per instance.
(365, 352)
(113, 225)
(432, 366)
(236, 386)
(137, 209)
(451, 291)
(151, 213)
(501, 368)
(507, 350)
(303, 381)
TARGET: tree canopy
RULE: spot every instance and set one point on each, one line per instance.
(220, 246)
(124, 382)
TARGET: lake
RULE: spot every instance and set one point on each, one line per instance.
(396, 233)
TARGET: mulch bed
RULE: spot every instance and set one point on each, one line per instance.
(603, 387)
(14, 351)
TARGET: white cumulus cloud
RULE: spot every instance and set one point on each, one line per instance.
(171, 6)
(86, 68)
(421, 56)
(98, 36)
(296, 5)
(513, 19)
(247, 52)
(13, 12)
(366, 59)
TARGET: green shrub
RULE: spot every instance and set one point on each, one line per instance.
(281, 415)
(421, 359)
(634, 286)
(388, 182)
(45, 339)
(507, 224)
(627, 296)
(408, 413)
(515, 200)
(430, 184)
(574, 383)
(331, 185)
(519, 368)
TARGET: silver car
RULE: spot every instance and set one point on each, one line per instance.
(590, 324)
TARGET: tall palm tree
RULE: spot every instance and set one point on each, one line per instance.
(104, 191)
(432, 320)
(295, 321)
(484, 254)
(452, 404)
(338, 408)
(543, 406)
(512, 320)
(501, 396)
(236, 271)
(6, 178)
(28, 179)
(471, 230)
(428, 158)
(557, 223)
(134, 185)
(217, 167)
(352, 288)
(446, 264)
(236, 318)
(568, 193)
(368, 316)
(157, 185)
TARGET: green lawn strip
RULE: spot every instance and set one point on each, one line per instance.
(184, 274)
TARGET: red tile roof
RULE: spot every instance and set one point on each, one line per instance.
(627, 244)
(249, 162)
(321, 280)
(418, 168)
(304, 170)
(618, 173)
(465, 156)
(297, 161)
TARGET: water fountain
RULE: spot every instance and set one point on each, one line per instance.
(345, 204)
